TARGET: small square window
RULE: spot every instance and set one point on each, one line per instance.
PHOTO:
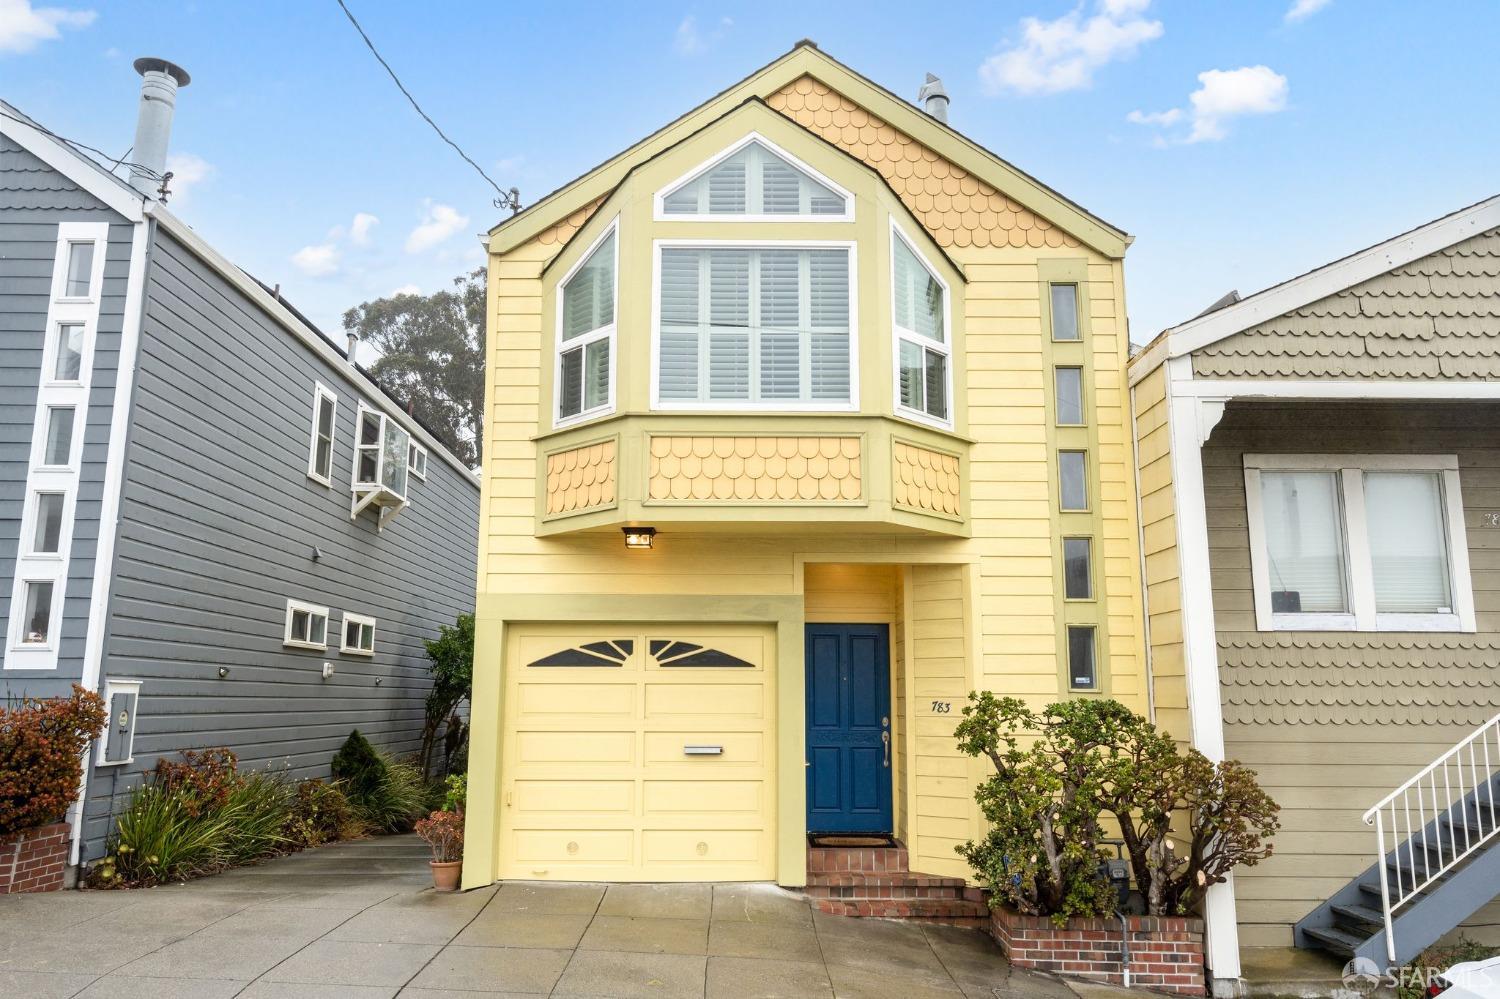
(80, 277)
(306, 626)
(68, 348)
(1072, 470)
(1065, 312)
(416, 462)
(1078, 569)
(57, 447)
(1083, 674)
(36, 625)
(47, 538)
(358, 635)
(1069, 384)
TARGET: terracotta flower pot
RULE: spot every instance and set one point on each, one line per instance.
(445, 874)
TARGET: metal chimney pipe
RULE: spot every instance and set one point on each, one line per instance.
(353, 348)
(934, 98)
(153, 124)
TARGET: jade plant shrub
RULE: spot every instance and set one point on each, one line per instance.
(42, 742)
(1061, 771)
(443, 832)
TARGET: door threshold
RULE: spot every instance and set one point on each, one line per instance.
(853, 841)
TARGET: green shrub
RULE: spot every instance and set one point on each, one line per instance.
(161, 837)
(321, 813)
(258, 807)
(457, 792)
(359, 768)
(386, 794)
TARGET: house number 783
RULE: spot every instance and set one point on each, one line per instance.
(942, 707)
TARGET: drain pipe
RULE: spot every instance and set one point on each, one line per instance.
(1124, 947)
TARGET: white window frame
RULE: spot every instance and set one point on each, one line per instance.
(1362, 615)
(360, 619)
(416, 462)
(314, 609)
(658, 201)
(898, 334)
(321, 392)
(42, 478)
(113, 686)
(745, 405)
(582, 341)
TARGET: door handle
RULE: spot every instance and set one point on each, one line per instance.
(885, 738)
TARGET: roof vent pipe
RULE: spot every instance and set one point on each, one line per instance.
(353, 348)
(153, 125)
(934, 98)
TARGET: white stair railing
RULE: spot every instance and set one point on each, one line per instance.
(1409, 826)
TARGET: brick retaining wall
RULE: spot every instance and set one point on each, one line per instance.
(34, 859)
(1166, 952)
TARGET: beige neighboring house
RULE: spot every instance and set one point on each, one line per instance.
(1320, 504)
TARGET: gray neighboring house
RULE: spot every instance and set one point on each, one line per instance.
(207, 513)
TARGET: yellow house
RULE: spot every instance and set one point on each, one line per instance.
(806, 416)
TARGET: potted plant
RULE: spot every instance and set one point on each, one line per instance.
(443, 831)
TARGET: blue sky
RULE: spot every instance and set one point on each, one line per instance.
(1239, 143)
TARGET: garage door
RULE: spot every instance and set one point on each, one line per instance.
(639, 754)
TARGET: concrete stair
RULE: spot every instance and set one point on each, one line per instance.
(876, 882)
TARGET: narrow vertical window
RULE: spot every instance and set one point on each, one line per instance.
(1078, 571)
(1408, 543)
(320, 460)
(1304, 542)
(1072, 471)
(919, 313)
(57, 447)
(367, 448)
(67, 347)
(46, 538)
(1064, 311)
(78, 282)
(586, 333)
(36, 622)
(1083, 673)
(1069, 395)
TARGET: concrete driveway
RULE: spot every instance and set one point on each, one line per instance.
(359, 921)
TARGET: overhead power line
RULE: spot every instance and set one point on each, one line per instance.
(508, 199)
(116, 161)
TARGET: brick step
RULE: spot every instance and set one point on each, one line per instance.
(884, 891)
(957, 912)
(840, 859)
(910, 878)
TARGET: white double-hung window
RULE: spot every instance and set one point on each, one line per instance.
(766, 326)
(919, 317)
(1358, 543)
(584, 374)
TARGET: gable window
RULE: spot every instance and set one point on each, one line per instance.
(320, 457)
(79, 277)
(754, 179)
(306, 626)
(586, 334)
(755, 326)
(919, 315)
(358, 638)
(1064, 302)
(1358, 543)
(416, 462)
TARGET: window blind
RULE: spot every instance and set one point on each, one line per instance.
(919, 297)
(1408, 542)
(1304, 542)
(754, 181)
(757, 325)
(589, 297)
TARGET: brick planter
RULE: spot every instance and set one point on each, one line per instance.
(1166, 952)
(34, 859)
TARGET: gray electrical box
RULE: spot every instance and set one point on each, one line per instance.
(120, 742)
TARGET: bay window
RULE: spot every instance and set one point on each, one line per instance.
(1358, 543)
(586, 334)
(919, 317)
(755, 326)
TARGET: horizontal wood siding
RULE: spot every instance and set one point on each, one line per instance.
(34, 198)
(220, 525)
(1334, 722)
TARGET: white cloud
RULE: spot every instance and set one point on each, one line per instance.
(23, 27)
(1063, 54)
(317, 261)
(359, 229)
(405, 289)
(437, 226)
(1300, 10)
(1222, 94)
(690, 39)
(187, 171)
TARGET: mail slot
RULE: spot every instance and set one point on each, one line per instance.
(703, 750)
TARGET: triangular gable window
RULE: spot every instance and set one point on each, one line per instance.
(754, 180)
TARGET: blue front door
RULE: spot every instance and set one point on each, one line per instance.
(848, 728)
